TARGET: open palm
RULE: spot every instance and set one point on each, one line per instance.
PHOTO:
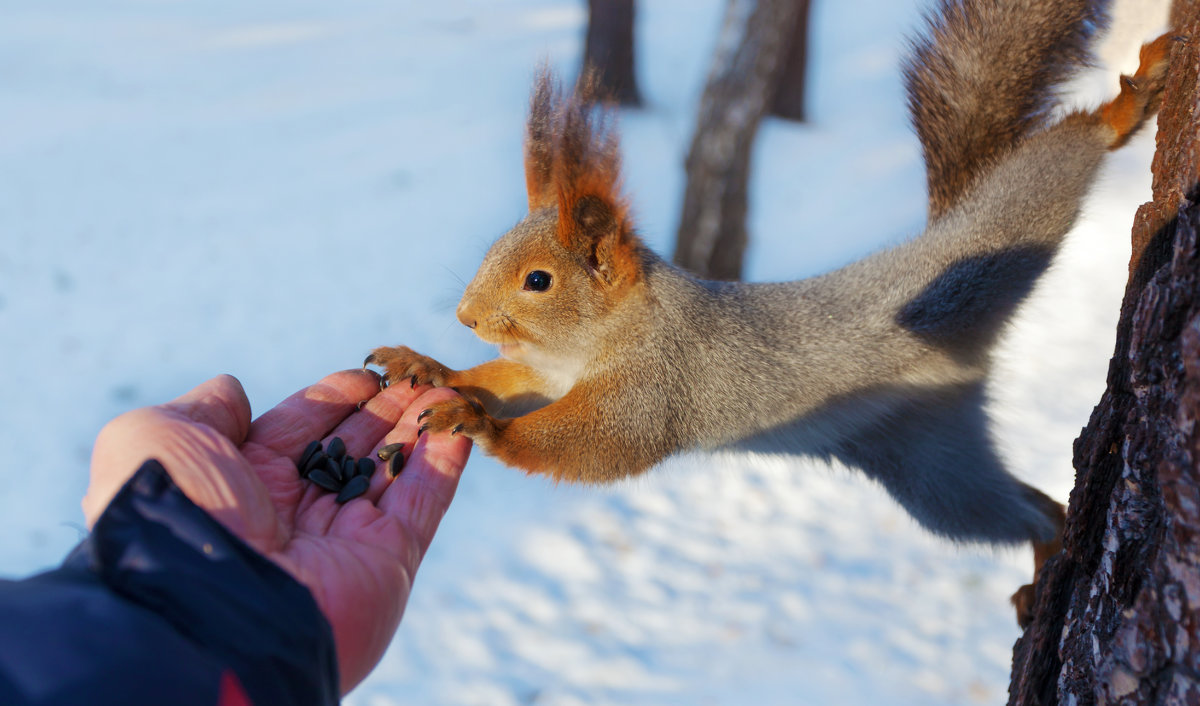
(357, 559)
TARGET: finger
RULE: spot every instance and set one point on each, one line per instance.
(317, 511)
(422, 493)
(363, 430)
(364, 433)
(220, 403)
(403, 432)
(310, 413)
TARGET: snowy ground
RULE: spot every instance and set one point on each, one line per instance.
(273, 188)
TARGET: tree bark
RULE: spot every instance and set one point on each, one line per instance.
(608, 50)
(788, 102)
(743, 79)
(1117, 619)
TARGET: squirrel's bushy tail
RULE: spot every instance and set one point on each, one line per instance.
(984, 75)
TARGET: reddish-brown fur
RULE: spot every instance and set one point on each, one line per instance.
(960, 144)
(1025, 597)
(1125, 113)
(539, 143)
(585, 172)
(572, 166)
(493, 384)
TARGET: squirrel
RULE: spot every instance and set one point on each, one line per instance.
(613, 359)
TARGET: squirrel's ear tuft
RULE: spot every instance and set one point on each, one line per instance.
(593, 216)
(573, 163)
(586, 170)
(539, 140)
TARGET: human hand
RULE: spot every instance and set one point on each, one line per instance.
(357, 559)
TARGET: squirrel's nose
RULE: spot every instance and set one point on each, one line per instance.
(464, 315)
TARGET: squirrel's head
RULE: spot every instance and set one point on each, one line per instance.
(545, 287)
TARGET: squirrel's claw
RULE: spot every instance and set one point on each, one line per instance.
(383, 379)
(401, 362)
(458, 416)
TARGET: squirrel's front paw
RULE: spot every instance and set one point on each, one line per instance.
(459, 416)
(401, 362)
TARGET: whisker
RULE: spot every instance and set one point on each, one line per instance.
(455, 275)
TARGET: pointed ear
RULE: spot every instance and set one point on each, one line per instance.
(586, 173)
(597, 229)
(592, 216)
(539, 141)
(572, 163)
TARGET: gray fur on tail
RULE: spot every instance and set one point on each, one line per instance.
(984, 76)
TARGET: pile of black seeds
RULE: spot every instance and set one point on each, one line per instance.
(338, 472)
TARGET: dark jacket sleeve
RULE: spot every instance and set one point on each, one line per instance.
(162, 605)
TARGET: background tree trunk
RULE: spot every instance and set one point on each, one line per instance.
(742, 81)
(1118, 611)
(608, 49)
(788, 101)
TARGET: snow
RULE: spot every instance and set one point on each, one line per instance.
(271, 189)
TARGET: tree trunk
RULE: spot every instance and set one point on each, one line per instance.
(742, 80)
(1117, 619)
(608, 50)
(788, 102)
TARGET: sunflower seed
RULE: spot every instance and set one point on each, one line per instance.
(395, 465)
(333, 467)
(326, 481)
(356, 487)
(317, 460)
(349, 468)
(337, 447)
(312, 448)
(366, 467)
(390, 450)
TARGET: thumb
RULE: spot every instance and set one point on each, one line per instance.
(220, 403)
(163, 432)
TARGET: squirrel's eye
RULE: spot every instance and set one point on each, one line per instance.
(537, 281)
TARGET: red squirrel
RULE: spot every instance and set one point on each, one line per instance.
(613, 359)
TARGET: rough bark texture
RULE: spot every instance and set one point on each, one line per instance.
(1118, 613)
(788, 101)
(744, 75)
(608, 50)
(1184, 12)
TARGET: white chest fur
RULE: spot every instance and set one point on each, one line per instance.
(559, 372)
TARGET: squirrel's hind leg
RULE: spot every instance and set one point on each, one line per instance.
(1140, 94)
(1023, 600)
(935, 457)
